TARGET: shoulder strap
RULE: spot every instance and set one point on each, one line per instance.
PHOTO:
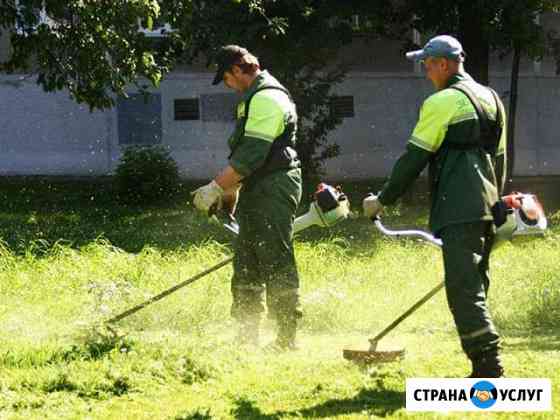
(480, 111)
(487, 135)
(499, 115)
(248, 103)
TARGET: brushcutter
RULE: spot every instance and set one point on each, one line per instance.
(519, 215)
(330, 206)
(522, 215)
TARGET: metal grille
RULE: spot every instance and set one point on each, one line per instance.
(342, 106)
(187, 109)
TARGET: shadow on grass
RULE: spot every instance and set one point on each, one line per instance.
(40, 211)
(378, 402)
(542, 342)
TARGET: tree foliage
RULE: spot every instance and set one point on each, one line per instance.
(483, 26)
(90, 47)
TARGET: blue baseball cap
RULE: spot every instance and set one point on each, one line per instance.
(439, 46)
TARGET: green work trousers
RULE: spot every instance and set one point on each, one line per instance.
(466, 254)
(264, 255)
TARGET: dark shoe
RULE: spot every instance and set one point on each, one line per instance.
(488, 365)
(286, 338)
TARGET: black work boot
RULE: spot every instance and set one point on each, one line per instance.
(248, 332)
(487, 365)
(286, 336)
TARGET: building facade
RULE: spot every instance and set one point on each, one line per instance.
(48, 134)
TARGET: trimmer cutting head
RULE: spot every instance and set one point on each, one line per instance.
(372, 355)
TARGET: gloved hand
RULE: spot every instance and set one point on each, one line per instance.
(372, 206)
(208, 196)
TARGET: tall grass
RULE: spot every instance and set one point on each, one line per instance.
(66, 267)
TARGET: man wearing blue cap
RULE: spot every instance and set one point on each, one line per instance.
(461, 135)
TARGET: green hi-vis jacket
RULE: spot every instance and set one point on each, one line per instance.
(272, 116)
(465, 182)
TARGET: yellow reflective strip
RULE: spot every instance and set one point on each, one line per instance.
(259, 135)
(421, 144)
(463, 117)
(476, 333)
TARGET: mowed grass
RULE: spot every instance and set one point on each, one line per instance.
(71, 257)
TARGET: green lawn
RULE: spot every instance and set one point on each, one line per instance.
(71, 257)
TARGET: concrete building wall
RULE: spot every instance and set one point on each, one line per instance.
(372, 141)
(49, 134)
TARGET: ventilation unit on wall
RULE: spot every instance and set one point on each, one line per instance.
(342, 106)
(187, 109)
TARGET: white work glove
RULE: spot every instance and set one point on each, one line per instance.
(372, 206)
(208, 196)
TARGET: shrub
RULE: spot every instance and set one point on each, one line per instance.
(146, 174)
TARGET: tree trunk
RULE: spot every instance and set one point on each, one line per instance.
(512, 112)
(474, 40)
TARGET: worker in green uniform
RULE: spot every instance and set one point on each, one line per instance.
(460, 134)
(262, 185)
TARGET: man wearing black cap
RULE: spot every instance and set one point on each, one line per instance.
(262, 185)
(461, 135)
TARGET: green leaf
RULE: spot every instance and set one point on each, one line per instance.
(148, 60)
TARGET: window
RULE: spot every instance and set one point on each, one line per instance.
(159, 29)
(26, 13)
(39, 14)
(187, 109)
(342, 106)
(139, 119)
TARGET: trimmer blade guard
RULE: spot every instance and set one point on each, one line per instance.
(372, 357)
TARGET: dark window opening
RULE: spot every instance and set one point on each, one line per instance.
(187, 109)
(342, 106)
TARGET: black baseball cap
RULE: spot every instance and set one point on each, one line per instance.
(226, 57)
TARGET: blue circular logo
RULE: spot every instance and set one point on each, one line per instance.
(483, 394)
